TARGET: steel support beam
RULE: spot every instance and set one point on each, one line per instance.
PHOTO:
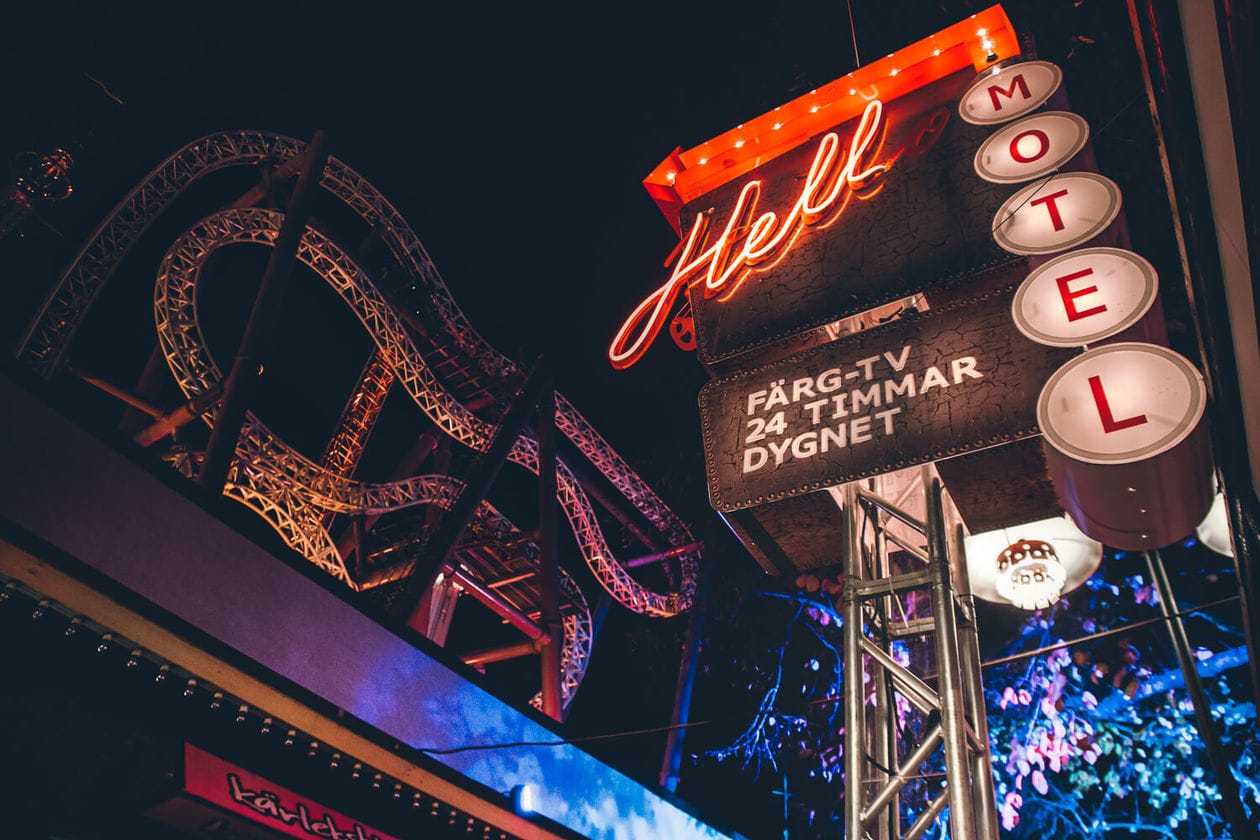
(1231, 798)
(873, 593)
(439, 551)
(962, 816)
(854, 684)
(661, 556)
(672, 761)
(506, 652)
(251, 355)
(548, 554)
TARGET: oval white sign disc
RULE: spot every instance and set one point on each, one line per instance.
(1121, 403)
(1001, 95)
(1057, 213)
(1084, 296)
(1032, 147)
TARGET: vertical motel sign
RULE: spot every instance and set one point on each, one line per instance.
(1123, 424)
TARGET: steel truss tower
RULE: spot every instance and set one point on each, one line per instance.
(891, 559)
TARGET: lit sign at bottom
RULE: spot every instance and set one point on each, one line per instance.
(255, 798)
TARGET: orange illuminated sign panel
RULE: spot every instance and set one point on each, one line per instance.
(749, 227)
(833, 178)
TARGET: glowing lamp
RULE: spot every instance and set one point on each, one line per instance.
(1214, 530)
(523, 797)
(1030, 575)
(1030, 565)
(44, 177)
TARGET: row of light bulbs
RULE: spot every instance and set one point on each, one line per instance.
(42, 608)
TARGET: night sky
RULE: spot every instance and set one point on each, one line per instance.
(513, 138)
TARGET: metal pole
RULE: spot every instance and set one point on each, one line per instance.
(506, 652)
(649, 559)
(672, 761)
(854, 711)
(250, 356)
(440, 549)
(548, 562)
(1231, 802)
(953, 720)
(497, 604)
(984, 797)
(888, 823)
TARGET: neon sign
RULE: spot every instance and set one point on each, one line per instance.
(746, 244)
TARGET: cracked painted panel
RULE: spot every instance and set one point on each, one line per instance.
(923, 224)
(957, 379)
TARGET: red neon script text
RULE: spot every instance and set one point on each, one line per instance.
(742, 244)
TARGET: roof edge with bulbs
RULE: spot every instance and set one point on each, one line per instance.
(980, 41)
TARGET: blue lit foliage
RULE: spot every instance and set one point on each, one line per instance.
(795, 736)
(1090, 741)
(1100, 737)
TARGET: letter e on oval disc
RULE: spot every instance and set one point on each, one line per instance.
(1084, 296)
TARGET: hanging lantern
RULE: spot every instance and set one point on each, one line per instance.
(1214, 530)
(1030, 565)
(1030, 575)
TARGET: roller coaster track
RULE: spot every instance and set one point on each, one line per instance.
(270, 476)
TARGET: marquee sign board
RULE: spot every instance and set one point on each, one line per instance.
(950, 381)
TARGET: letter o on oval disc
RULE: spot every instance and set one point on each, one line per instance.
(1032, 147)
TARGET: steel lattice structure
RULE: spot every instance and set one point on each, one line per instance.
(881, 756)
(345, 447)
(46, 343)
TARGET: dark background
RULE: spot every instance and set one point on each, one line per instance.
(514, 138)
